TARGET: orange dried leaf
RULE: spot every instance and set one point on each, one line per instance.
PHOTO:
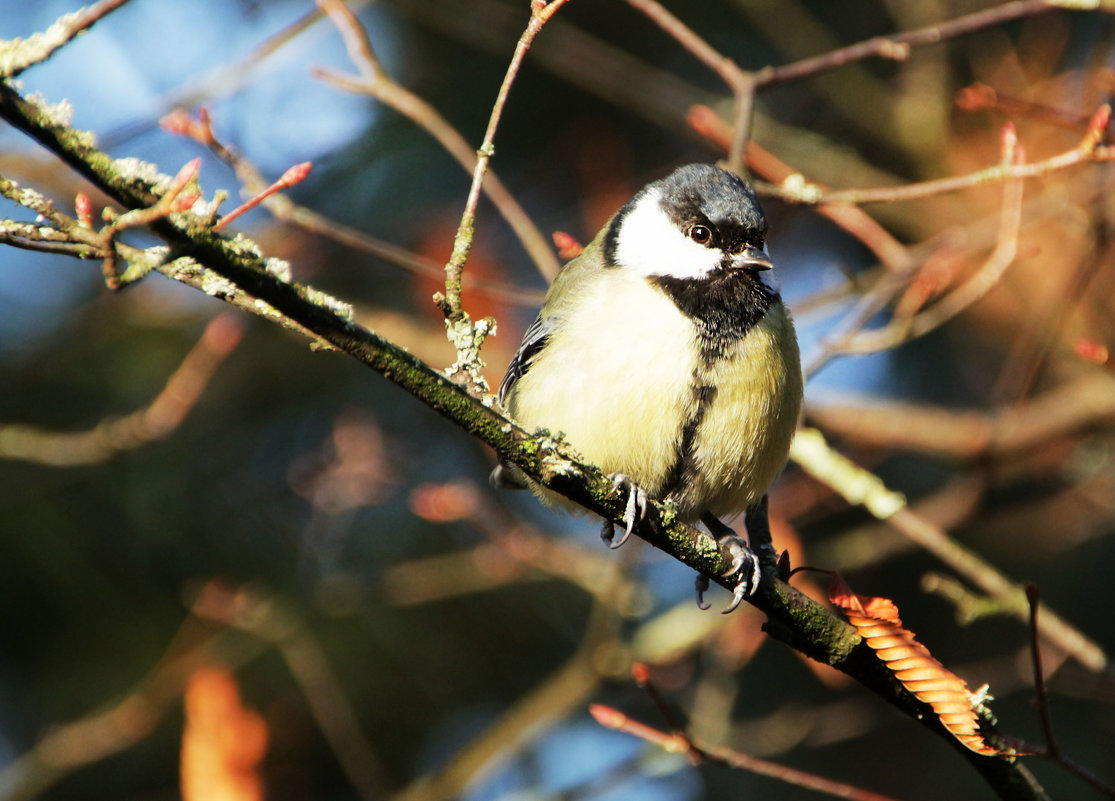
(223, 742)
(568, 247)
(877, 621)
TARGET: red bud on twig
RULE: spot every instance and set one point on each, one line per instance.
(568, 247)
(84, 208)
(289, 178)
(1091, 350)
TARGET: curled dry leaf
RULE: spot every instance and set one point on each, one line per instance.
(877, 621)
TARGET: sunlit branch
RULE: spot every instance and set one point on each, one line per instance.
(284, 209)
(450, 303)
(16, 56)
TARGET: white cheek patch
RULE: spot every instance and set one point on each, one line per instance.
(649, 243)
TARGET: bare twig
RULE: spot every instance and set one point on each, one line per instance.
(679, 742)
(374, 81)
(1088, 150)
(292, 176)
(465, 335)
(1032, 598)
(860, 487)
(149, 424)
(1041, 691)
(283, 208)
(902, 329)
(266, 619)
(897, 47)
(741, 82)
(450, 302)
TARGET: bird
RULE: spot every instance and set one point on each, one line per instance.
(664, 355)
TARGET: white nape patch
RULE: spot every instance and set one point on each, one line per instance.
(649, 243)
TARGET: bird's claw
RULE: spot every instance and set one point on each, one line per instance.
(702, 587)
(742, 561)
(633, 514)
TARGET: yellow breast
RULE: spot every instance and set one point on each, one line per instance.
(745, 432)
(620, 384)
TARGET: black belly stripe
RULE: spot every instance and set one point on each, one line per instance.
(685, 453)
(725, 306)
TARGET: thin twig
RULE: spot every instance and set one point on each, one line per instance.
(466, 336)
(641, 673)
(1088, 150)
(679, 742)
(900, 330)
(153, 422)
(1040, 690)
(283, 208)
(540, 14)
(741, 82)
(374, 81)
(860, 487)
(292, 176)
(897, 47)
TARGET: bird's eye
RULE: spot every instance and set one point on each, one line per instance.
(700, 234)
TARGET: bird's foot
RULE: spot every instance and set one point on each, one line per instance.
(634, 513)
(741, 561)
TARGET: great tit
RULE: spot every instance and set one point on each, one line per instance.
(665, 357)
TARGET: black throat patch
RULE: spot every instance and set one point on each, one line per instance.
(725, 305)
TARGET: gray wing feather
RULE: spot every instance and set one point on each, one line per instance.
(534, 340)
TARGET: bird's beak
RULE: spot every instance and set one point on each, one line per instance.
(751, 258)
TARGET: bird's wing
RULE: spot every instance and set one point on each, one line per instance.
(534, 340)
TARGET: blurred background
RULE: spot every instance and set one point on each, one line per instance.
(190, 492)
